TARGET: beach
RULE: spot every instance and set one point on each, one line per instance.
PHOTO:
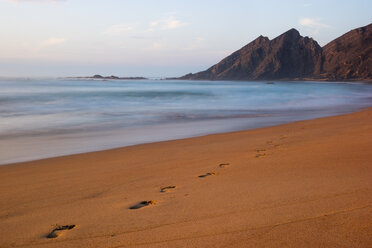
(302, 184)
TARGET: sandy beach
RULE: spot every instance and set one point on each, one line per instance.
(304, 184)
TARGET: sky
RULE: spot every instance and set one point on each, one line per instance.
(154, 38)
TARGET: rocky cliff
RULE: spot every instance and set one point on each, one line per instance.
(291, 56)
(349, 56)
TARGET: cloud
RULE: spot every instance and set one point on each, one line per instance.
(140, 31)
(118, 29)
(167, 24)
(54, 41)
(312, 23)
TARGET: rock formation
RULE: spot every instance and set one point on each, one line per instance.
(291, 56)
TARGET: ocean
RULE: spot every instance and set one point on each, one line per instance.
(42, 118)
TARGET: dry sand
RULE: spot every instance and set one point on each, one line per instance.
(305, 184)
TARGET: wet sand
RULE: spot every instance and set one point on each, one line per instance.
(304, 184)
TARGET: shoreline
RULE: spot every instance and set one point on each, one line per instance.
(302, 184)
(64, 154)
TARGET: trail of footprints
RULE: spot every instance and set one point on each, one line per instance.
(60, 230)
(166, 189)
(263, 152)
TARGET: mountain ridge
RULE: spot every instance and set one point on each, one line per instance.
(291, 56)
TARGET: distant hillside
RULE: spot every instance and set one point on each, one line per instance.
(110, 77)
(291, 56)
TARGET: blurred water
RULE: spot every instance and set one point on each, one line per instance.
(43, 118)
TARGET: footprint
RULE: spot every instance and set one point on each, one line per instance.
(166, 189)
(224, 165)
(142, 204)
(260, 155)
(208, 174)
(59, 230)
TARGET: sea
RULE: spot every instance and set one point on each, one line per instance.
(42, 118)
